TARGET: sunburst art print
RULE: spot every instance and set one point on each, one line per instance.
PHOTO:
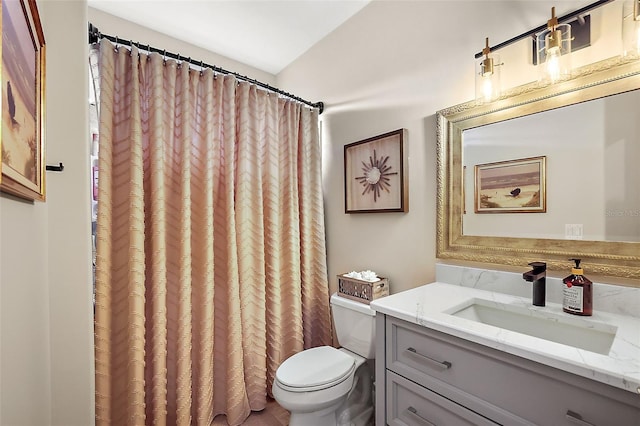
(375, 174)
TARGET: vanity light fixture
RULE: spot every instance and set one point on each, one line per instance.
(631, 27)
(553, 47)
(488, 76)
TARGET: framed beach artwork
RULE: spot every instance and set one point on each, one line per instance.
(514, 186)
(23, 74)
(375, 174)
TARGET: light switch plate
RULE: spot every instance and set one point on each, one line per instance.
(573, 231)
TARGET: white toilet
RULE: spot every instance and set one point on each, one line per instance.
(325, 386)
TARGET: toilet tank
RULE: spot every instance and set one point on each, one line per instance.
(355, 325)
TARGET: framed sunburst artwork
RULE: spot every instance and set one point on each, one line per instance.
(375, 174)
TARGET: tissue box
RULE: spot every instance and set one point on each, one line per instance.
(362, 291)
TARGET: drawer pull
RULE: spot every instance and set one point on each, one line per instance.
(440, 365)
(577, 419)
(418, 417)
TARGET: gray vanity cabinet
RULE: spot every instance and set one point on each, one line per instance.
(429, 377)
(411, 404)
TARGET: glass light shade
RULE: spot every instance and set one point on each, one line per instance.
(631, 28)
(488, 78)
(554, 53)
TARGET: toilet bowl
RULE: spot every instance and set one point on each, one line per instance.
(325, 386)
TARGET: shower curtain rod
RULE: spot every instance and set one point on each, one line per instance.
(95, 35)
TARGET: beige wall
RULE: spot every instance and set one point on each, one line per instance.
(68, 202)
(46, 329)
(114, 26)
(393, 65)
(25, 382)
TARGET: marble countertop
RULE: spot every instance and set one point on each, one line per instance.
(431, 306)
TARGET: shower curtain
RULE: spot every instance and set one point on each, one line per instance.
(211, 265)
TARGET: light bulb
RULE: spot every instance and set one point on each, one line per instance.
(487, 89)
(553, 65)
(631, 27)
(554, 50)
(636, 23)
(488, 76)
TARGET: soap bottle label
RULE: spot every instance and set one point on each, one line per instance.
(573, 299)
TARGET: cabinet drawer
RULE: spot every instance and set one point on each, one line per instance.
(411, 405)
(484, 379)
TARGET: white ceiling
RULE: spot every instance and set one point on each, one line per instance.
(265, 34)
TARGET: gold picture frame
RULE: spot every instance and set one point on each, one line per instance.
(512, 186)
(375, 174)
(23, 76)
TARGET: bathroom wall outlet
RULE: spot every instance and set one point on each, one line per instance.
(573, 231)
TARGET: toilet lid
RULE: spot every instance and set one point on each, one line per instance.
(316, 368)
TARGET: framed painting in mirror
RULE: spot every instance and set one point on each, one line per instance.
(514, 186)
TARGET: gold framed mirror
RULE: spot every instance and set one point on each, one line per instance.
(586, 215)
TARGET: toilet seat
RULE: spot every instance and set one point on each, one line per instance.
(315, 369)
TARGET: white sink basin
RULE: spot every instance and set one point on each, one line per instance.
(590, 336)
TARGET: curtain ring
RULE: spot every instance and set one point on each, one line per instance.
(116, 46)
(164, 57)
(132, 44)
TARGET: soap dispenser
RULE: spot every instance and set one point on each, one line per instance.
(577, 292)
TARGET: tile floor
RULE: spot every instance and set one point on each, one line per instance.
(272, 415)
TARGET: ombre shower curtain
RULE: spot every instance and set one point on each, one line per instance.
(211, 266)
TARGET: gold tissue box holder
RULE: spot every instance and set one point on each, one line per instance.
(362, 291)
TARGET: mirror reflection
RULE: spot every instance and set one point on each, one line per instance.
(585, 134)
(592, 150)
